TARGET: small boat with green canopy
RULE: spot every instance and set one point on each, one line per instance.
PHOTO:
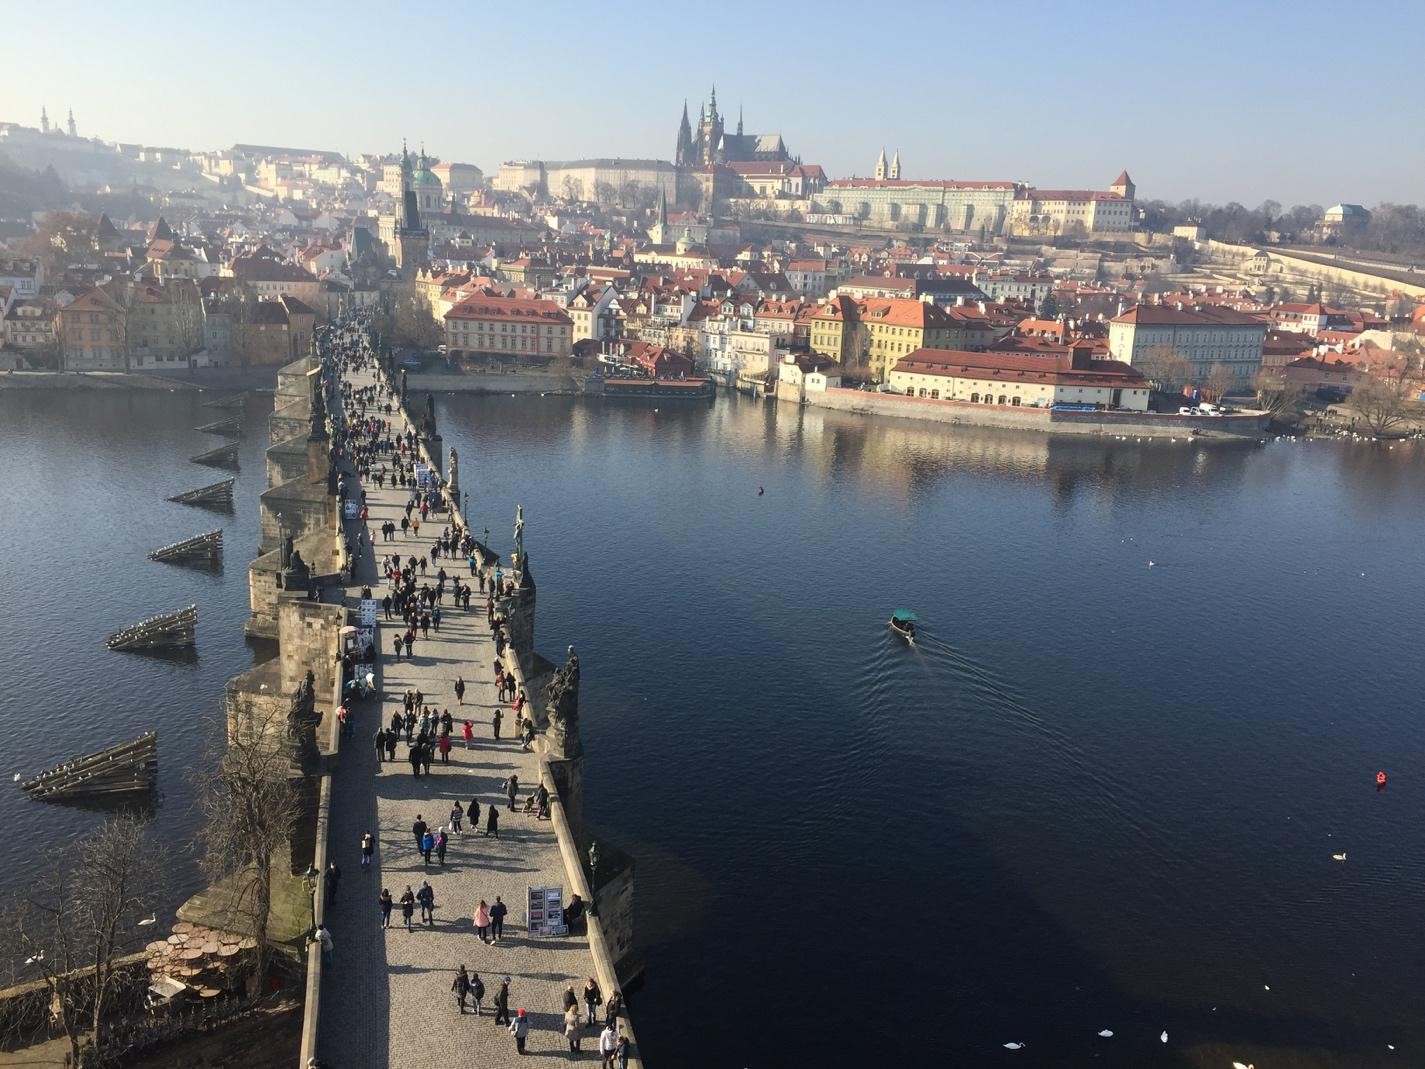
(903, 624)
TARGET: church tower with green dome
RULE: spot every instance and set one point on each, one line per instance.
(429, 190)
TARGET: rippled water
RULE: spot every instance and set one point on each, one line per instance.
(1097, 795)
(83, 483)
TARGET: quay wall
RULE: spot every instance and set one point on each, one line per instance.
(491, 382)
(1098, 424)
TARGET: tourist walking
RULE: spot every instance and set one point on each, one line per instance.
(572, 1029)
(468, 730)
(440, 843)
(426, 897)
(368, 847)
(482, 921)
(386, 905)
(460, 689)
(492, 822)
(497, 919)
(461, 987)
(321, 935)
(333, 881)
(512, 788)
(474, 814)
(570, 1000)
(495, 723)
(408, 906)
(427, 845)
(418, 829)
(456, 816)
(519, 1028)
(593, 999)
(502, 1002)
(608, 1045)
(477, 992)
(380, 745)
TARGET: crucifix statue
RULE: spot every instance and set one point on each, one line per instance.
(519, 535)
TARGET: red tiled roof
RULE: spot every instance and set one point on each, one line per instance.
(1019, 367)
(1152, 315)
(509, 309)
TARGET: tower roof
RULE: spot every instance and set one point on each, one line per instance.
(1123, 179)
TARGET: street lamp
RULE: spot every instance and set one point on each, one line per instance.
(309, 881)
(466, 510)
(593, 879)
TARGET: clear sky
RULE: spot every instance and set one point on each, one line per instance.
(1305, 102)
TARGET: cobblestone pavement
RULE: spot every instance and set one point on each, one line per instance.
(387, 1000)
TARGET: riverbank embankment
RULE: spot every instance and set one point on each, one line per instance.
(260, 378)
(1246, 426)
(541, 382)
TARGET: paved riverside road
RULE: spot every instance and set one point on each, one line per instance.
(386, 1000)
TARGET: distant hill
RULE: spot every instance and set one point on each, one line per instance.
(23, 190)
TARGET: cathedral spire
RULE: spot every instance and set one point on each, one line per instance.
(739, 120)
(44, 120)
(682, 157)
(72, 132)
(712, 104)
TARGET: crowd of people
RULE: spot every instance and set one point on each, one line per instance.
(420, 589)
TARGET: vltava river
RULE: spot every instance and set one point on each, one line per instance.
(1100, 794)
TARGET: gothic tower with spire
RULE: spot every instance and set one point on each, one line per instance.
(684, 156)
(709, 132)
(412, 244)
(44, 121)
(881, 166)
(72, 132)
(896, 166)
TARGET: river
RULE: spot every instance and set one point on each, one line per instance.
(1154, 685)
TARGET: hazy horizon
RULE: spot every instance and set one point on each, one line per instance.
(1222, 104)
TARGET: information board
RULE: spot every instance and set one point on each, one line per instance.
(544, 914)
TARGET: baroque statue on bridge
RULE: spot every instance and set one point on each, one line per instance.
(561, 705)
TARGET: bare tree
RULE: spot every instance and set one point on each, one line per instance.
(405, 319)
(80, 921)
(251, 806)
(1384, 399)
(1165, 368)
(63, 238)
(1274, 397)
(1221, 380)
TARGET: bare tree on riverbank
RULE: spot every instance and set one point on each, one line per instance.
(81, 918)
(250, 801)
(1165, 367)
(1274, 397)
(1384, 399)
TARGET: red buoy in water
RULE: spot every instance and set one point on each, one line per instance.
(1380, 779)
